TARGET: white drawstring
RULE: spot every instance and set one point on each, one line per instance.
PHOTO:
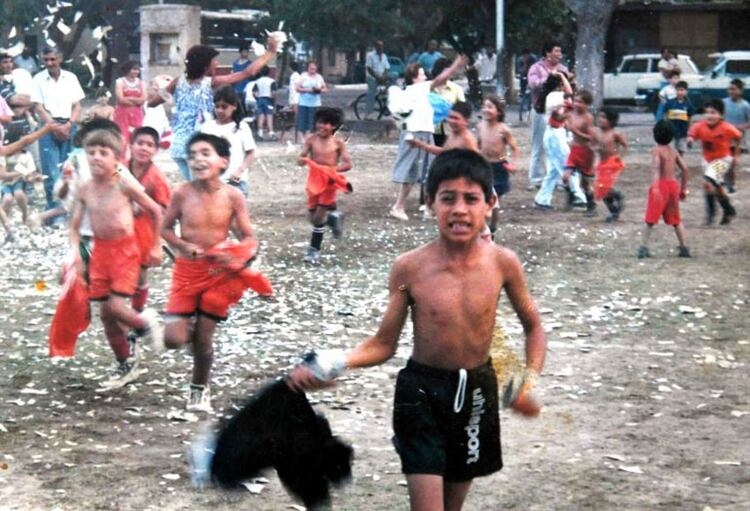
(458, 402)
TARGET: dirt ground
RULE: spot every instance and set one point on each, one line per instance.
(645, 387)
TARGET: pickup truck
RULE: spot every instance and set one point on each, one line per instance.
(620, 86)
(701, 87)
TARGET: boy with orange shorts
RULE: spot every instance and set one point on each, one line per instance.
(326, 157)
(608, 141)
(665, 193)
(115, 260)
(210, 274)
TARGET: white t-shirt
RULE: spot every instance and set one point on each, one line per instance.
(57, 96)
(555, 100)
(265, 86)
(293, 94)
(240, 139)
(421, 112)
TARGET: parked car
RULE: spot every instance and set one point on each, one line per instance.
(712, 84)
(620, 86)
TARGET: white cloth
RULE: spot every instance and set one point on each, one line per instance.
(23, 81)
(378, 63)
(417, 96)
(487, 66)
(265, 87)
(293, 94)
(240, 139)
(57, 96)
(554, 100)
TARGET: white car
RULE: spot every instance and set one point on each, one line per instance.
(620, 86)
(701, 87)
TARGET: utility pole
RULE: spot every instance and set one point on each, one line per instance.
(500, 45)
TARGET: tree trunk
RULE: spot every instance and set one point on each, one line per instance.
(592, 19)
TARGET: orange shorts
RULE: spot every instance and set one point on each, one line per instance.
(581, 157)
(143, 230)
(606, 175)
(203, 287)
(665, 203)
(326, 199)
(114, 268)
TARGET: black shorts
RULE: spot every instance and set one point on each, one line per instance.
(431, 437)
(500, 177)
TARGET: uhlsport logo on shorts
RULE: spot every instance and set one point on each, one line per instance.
(472, 430)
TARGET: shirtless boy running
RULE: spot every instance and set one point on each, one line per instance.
(580, 123)
(445, 416)
(494, 139)
(609, 142)
(459, 137)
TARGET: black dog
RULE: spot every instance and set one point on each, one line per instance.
(278, 428)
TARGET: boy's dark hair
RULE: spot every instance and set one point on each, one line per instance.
(585, 96)
(458, 163)
(463, 108)
(220, 144)
(663, 132)
(104, 138)
(611, 115)
(4, 56)
(243, 47)
(548, 46)
(716, 104)
(682, 84)
(198, 59)
(329, 115)
(551, 84)
(227, 94)
(97, 123)
(499, 105)
(265, 71)
(102, 92)
(736, 82)
(439, 66)
(146, 131)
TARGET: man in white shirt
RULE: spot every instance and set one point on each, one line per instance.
(376, 69)
(668, 63)
(57, 96)
(487, 65)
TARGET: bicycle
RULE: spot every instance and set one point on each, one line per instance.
(381, 104)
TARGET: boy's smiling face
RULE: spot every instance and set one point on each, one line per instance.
(102, 160)
(712, 116)
(204, 161)
(324, 129)
(461, 209)
(143, 148)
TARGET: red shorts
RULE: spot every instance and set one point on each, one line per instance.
(205, 287)
(606, 175)
(664, 201)
(143, 229)
(114, 268)
(326, 200)
(581, 157)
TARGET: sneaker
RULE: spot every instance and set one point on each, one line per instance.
(401, 215)
(683, 251)
(336, 220)
(730, 188)
(155, 330)
(541, 206)
(199, 399)
(312, 256)
(125, 373)
(726, 218)
(579, 204)
(643, 252)
(610, 218)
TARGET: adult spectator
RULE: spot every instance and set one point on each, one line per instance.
(193, 95)
(57, 96)
(428, 58)
(27, 61)
(486, 64)
(537, 76)
(310, 86)
(376, 68)
(238, 66)
(15, 88)
(668, 64)
(130, 95)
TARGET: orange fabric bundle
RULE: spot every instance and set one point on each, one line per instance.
(606, 175)
(324, 180)
(72, 315)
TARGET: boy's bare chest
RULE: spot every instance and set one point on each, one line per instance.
(449, 294)
(105, 198)
(206, 209)
(325, 152)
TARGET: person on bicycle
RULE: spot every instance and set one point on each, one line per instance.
(377, 66)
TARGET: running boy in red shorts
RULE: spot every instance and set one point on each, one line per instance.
(581, 158)
(144, 143)
(326, 156)
(115, 260)
(665, 193)
(609, 142)
(446, 417)
(207, 276)
(721, 150)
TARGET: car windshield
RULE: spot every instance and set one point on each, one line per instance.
(635, 66)
(738, 68)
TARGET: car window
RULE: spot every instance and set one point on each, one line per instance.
(738, 68)
(635, 66)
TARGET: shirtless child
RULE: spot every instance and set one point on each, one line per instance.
(608, 142)
(202, 282)
(326, 157)
(494, 138)
(115, 260)
(445, 415)
(460, 137)
(581, 158)
(665, 193)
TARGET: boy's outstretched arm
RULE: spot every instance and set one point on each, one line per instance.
(683, 177)
(523, 304)
(378, 348)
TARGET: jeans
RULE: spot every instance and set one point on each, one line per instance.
(52, 154)
(538, 128)
(557, 150)
(182, 164)
(372, 91)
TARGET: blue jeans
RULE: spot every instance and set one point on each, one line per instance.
(52, 154)
(372, 91)
(182, 164)
(556, 151)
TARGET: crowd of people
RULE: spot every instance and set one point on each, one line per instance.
(101, 173)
